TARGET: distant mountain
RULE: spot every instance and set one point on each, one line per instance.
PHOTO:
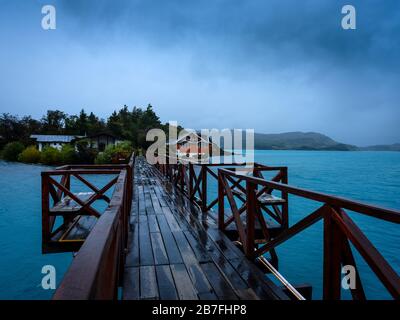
(299, 141)
(382, 147)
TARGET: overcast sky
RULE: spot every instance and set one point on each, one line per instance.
(271, 65)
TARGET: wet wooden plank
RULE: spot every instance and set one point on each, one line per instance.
(160, 195)
(263, 287)
(159, 252)
(148, 204)
(228, 249)
(148, 283)
(166, 284)
(235, 280)
(173, 224)
(184, 285)
(199, 251)
(199, 280)
(156, 204)
(153, 224)
(208, 296)
(131, 290)
(133, 257)
(145, 249)
(171, 247)
(142, 207)
(135, 202)
(222, 288)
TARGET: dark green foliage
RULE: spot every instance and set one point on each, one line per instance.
(86, 154)
(125, 124)
(15, 129)
(30, 155)
(133, 125)
(69, 155)
(50, 156)
(130, 125)
(114, 153)
(12, 150)
(53, 122)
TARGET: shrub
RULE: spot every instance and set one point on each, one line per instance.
(113, 153)
(103, 158)
(86, 154)
(30, 155)
(12, 150)
(50, 156)
(68, 154)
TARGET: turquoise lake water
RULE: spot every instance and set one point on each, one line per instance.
(372, 177)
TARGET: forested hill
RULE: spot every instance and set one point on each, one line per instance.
(382, 147)
(311, 141)
(298, 141)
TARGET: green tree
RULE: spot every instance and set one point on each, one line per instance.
(12, 150)
(54, 122)
(95, 125)
(114, 125)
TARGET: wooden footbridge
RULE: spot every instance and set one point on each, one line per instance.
(162, 237)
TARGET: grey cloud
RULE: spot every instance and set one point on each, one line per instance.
(237, 63)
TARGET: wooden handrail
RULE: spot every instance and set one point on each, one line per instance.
(96, 271)
(335, 201)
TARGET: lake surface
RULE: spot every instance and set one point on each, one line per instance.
(372, 177)
(21, 260)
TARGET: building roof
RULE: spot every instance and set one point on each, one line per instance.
(53, 138)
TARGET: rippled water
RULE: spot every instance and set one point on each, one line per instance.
(372, 177)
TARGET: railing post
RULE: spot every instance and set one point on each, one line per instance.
(332, 257)
(203, 187)
(221, 202)
(45, 210)
(182, 179)
(285, 206)
(191, 179)
(250, 218)
(128, 200)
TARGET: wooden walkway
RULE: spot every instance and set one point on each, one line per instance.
(177, 252)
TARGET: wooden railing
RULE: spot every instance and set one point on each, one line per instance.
(97, 269)
(192, 179)
(339, 231)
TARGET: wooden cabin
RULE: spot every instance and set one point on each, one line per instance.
(101, 140)
(52, 140)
